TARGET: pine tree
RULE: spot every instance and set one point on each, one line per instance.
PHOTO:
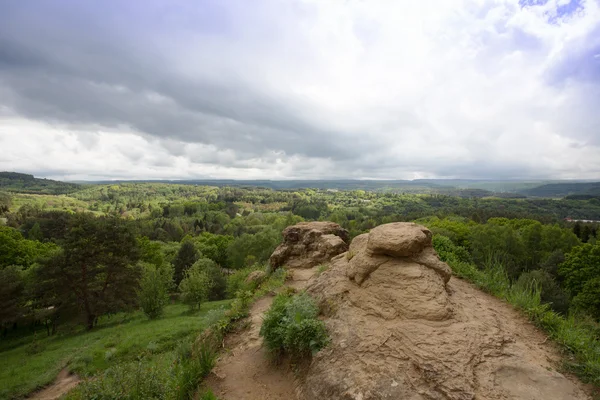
(96, 269)
(186, 257)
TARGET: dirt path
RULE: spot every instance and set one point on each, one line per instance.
(63, 383)
(245, 372)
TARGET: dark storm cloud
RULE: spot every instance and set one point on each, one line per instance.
(79, 62)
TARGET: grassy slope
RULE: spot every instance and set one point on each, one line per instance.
(122, 338)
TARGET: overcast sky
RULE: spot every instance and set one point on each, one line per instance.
(300, 89)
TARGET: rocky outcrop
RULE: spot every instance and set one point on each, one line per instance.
(308, 244)
(401, 328)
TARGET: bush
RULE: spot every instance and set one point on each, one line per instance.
(236, 282)
(195, 287)
(291, 326)
(551, 293)
(154, 289)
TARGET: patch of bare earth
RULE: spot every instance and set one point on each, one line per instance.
(245, 371)
(64, 382)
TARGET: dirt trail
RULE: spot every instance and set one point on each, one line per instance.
(245, 372)
(63, 383)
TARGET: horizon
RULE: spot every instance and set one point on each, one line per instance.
(301, 90)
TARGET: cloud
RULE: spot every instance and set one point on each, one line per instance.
(300, 89)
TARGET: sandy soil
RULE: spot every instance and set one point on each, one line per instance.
(245, 371)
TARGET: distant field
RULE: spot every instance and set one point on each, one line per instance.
(28, 363)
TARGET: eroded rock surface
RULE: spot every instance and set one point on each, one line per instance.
(402, 329)
(308, 244)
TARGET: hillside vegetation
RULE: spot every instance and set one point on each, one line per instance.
(72, 265)
(23, 183)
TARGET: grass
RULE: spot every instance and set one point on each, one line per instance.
(32, 362)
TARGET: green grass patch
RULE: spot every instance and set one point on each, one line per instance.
(124, 338)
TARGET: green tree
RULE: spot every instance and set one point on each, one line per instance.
(97, 267)
(588, 298)
(35, 233)
(154, 288)
(11, 296)
(5, 203)
(581, 271)
(215, 275)
(195, 287)
(16, 250)
(249, 249)
(214, 246)
(186, 257)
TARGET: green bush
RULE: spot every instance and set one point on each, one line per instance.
(291, 326)
(551, 293)
(236, 282)
(155, 284)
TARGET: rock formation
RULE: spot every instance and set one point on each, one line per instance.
(401, 329)
(308, 244)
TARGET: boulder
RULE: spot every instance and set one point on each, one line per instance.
(401, 328)
(308, 244)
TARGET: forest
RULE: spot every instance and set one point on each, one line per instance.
(79, 260)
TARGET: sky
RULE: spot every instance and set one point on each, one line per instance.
(300, 89)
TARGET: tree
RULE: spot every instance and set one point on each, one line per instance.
(96, 268)
(218, 281)
(588, 298)
(214, 246)
(16, 250)
(248, 249)
(581, 273)
(195, 287)
(581, 265)
(5, 203)
(35, 233)
(154, 289)
(186, 256)
(11, 296)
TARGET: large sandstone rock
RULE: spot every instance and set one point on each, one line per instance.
(402, 329)
(308, 244)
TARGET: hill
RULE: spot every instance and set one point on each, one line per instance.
(24, 183)
(564, 189)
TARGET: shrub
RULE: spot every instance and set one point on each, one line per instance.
(236, 282)
(291, 326)
(154, 288)
(551, 293)
(195, 287)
